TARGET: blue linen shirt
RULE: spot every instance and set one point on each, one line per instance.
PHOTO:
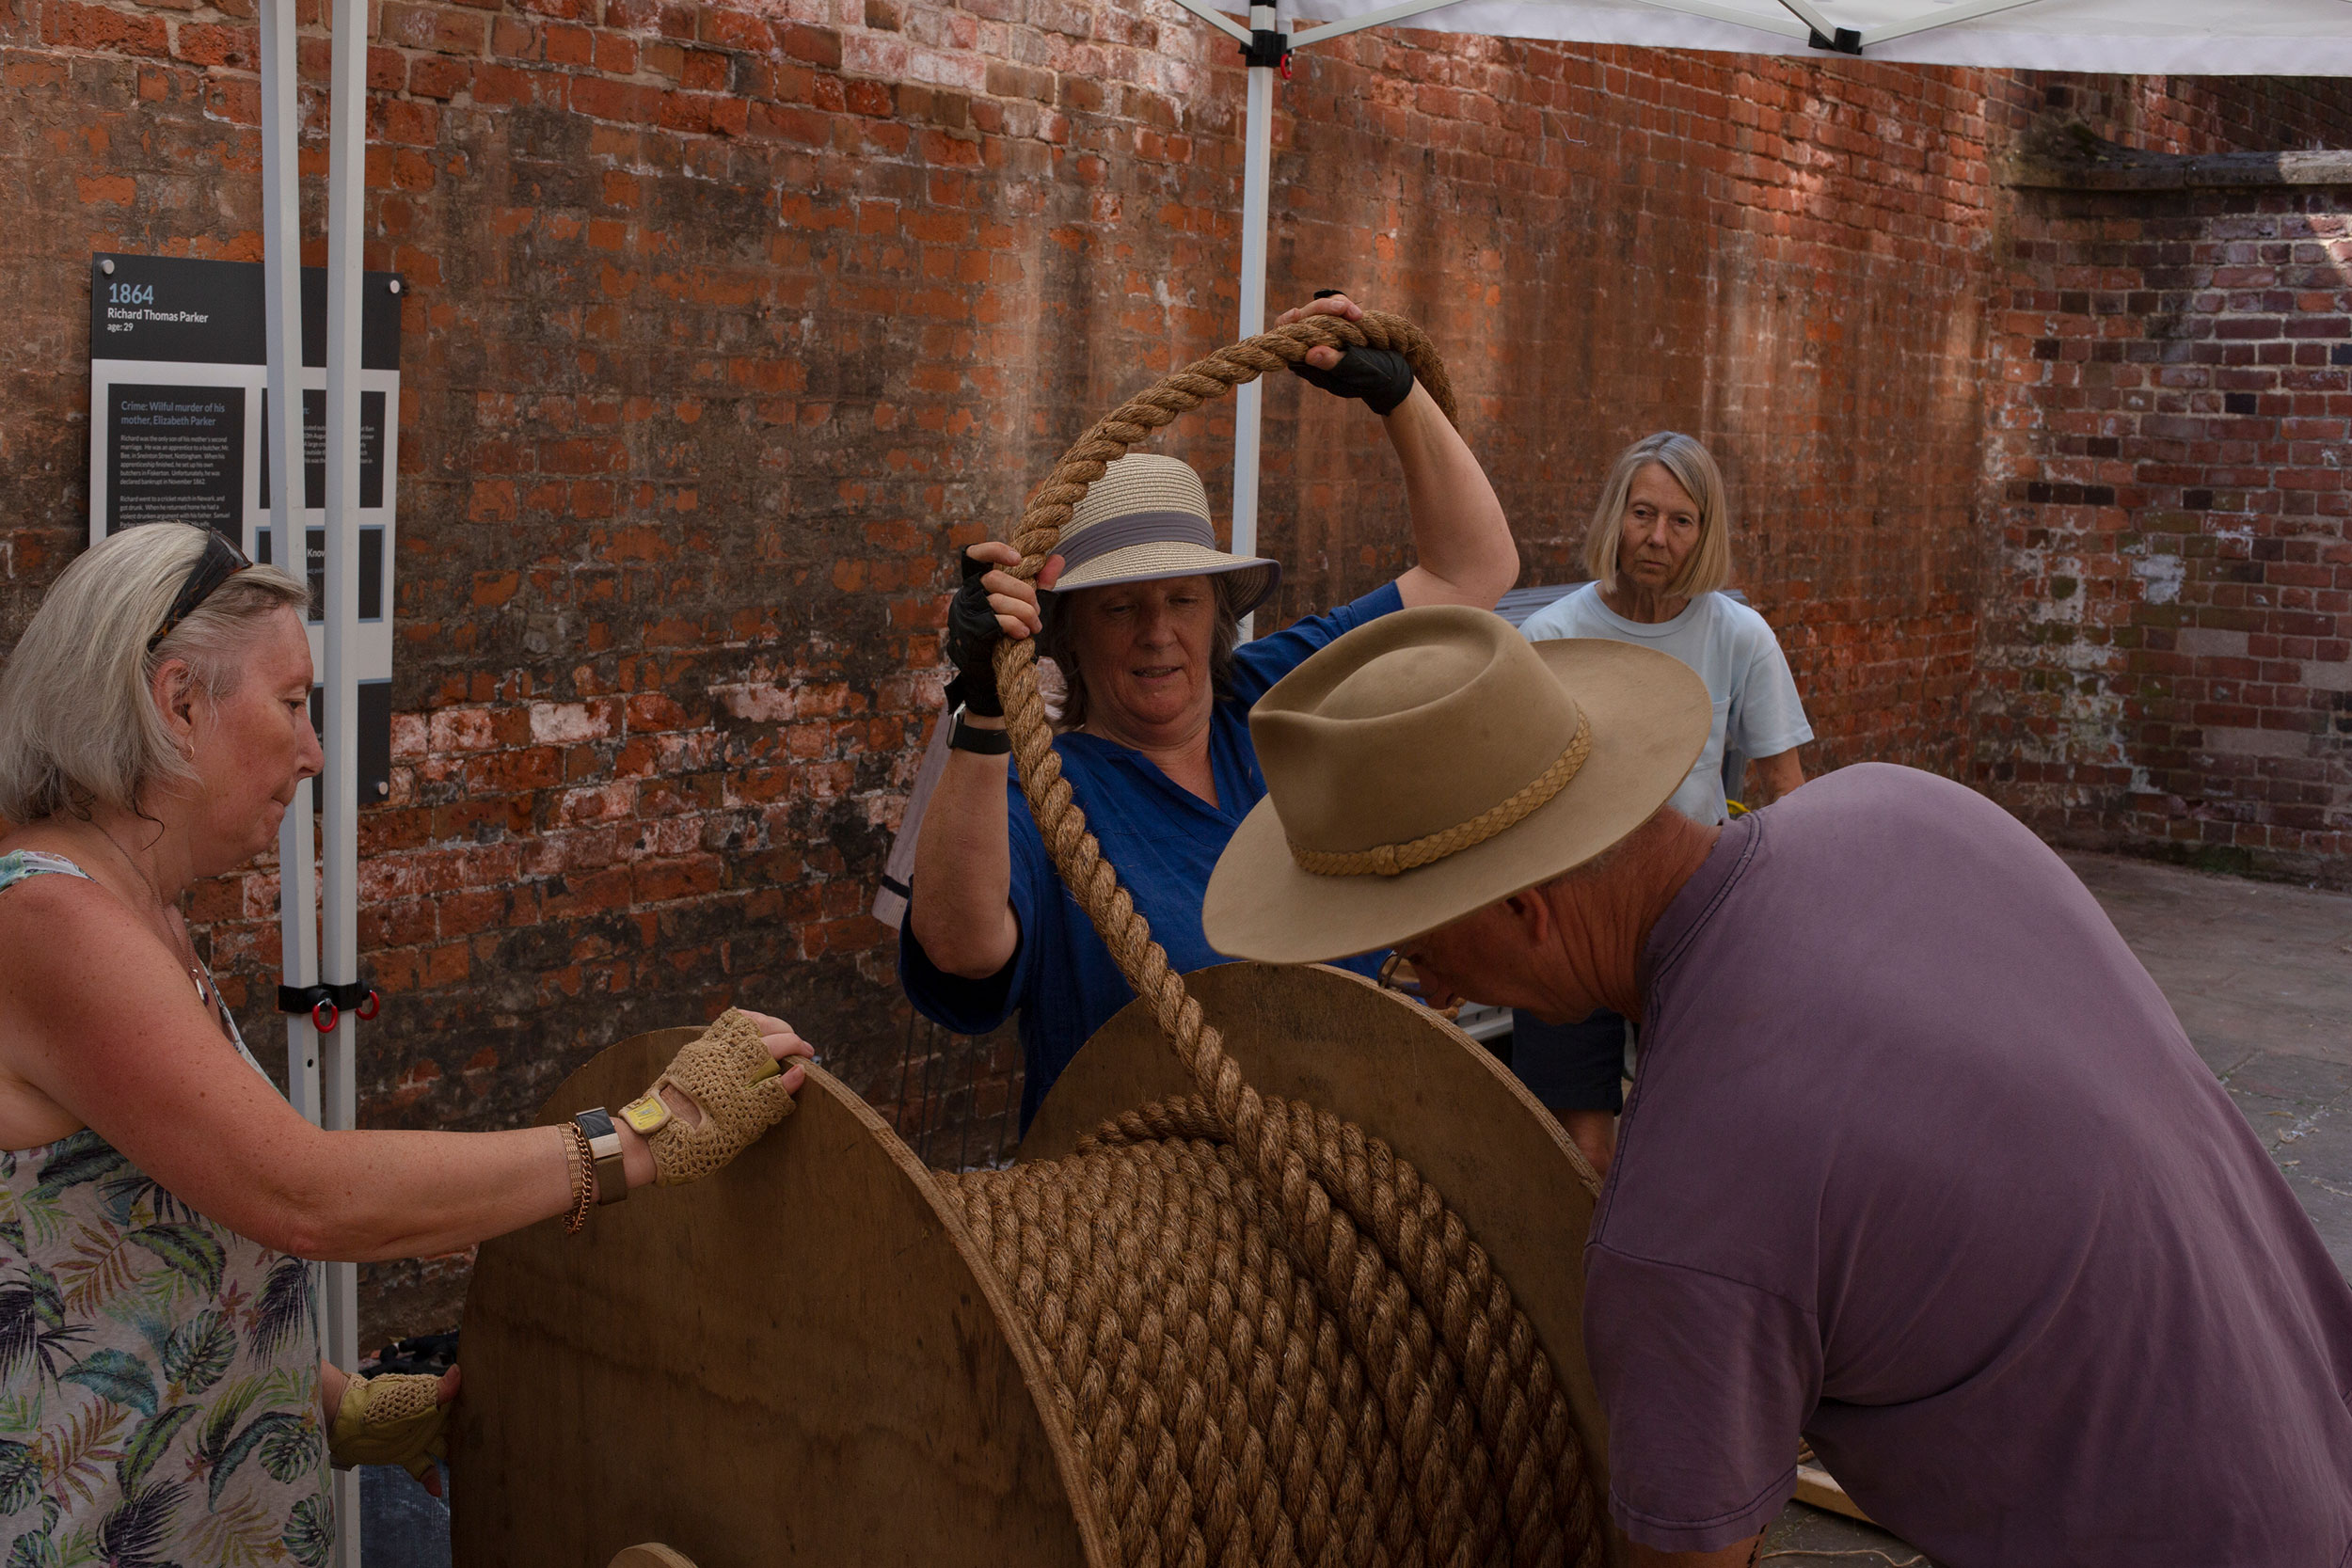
(1163, 839)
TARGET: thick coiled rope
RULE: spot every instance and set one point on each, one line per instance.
(1272, 1340)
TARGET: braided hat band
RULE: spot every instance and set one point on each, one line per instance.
(1394, 860)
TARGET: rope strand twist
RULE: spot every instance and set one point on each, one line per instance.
(1272, 1341)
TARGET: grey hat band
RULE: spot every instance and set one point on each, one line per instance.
(1136, 528)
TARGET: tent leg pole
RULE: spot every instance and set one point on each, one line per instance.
(298, 934)
(281, 249)
(1257, 157)
(346, 217)
(297, 866)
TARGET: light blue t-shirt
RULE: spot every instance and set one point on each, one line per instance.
(1756, 710)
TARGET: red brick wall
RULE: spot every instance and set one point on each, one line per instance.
(725, 321)
(2168, 657)
(1772, 256)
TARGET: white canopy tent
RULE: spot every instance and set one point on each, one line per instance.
(2205, 38)
(2186, 38)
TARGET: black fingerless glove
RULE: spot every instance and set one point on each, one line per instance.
(972, 638)
(1379, 376)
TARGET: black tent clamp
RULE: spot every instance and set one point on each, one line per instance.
(326, 1004)
(1268, 47)
(1847, 41)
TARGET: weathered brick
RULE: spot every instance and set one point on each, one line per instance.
(2212, 546)
(439, 76)
(443, 28)
(103, 29)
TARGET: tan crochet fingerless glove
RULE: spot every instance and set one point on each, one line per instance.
(390, 1419)
(739, 1087)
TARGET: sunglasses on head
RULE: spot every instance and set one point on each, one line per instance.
(219, 561)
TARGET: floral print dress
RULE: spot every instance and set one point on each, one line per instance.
(158, 1372)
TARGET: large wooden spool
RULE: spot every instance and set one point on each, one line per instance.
(804, 1359)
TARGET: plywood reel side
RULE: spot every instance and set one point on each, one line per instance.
(1342, 1044)
(792, 1361)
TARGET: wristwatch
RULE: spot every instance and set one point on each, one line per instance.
(604, 1147)
(646, 1114)
(969, 737)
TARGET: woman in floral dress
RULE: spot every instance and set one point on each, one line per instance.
(162, 1399)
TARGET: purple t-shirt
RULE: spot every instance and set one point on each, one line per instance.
(1919, 1162)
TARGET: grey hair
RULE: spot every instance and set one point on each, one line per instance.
(78, 721)
(1692, 466)
(1054, 641)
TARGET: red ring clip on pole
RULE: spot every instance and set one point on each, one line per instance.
(326, 1004)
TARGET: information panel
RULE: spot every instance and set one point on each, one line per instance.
(179, 433)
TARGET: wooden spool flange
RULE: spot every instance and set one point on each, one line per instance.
(805, 1358)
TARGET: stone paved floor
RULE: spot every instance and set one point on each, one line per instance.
(2260, 977)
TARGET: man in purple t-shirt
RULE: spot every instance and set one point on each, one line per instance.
(1918, 1163)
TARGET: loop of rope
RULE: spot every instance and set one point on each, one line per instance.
(1271, 1340)
(1394, 860)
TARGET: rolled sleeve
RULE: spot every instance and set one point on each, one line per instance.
(1707, 1384)
(968, 1006)
(1767, 715)
(964, 1005)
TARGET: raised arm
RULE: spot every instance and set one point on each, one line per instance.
(960, 908)
(1463, 552)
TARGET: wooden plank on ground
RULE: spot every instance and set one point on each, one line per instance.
(1819, 1488)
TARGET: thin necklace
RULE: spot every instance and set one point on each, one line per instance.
(186, 948)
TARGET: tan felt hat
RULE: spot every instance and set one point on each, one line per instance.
(1148, 518)
(1433, 761)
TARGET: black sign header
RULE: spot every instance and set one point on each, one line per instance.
(172, 308)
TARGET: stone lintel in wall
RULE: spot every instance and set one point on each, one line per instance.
(2074, 159)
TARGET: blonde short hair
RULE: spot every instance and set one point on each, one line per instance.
(78, 723)
(1708, 567)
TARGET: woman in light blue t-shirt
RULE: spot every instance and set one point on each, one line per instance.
(1659, 553)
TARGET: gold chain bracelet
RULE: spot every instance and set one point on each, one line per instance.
(576, 1165)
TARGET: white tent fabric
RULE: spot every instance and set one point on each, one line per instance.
(2195, 38)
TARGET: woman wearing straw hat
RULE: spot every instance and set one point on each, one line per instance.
(1142, 617)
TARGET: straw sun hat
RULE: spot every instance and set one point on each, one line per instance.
(1432, 761)
(1148, 518)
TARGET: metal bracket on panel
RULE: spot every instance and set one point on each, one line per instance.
(1268, 47)
(1847, 41)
